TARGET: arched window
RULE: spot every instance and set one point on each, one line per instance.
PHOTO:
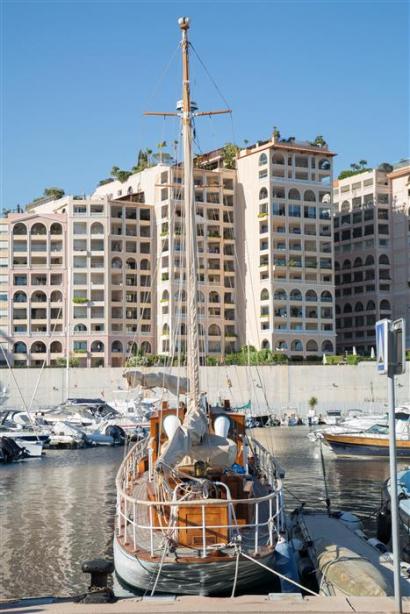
(311, 296)
(214, 331)
(56, 347)
(56, 296)
(20, 348)
(296, 346)
(311, 346)
(326, 297)
(56, 229)
(282, 345)
(165, 296)
(116, 263)
(280, 295)
(347, 308)
(19, 229)
(345, 206)
(165, 329)
(383, 259)
(214, 297)
(80, 328)
(97, 228)
(347, 264)
(265, 344)
(97, 346)
(358, 306)
(385, 305)
(371, 306)
(38, 297)
(278, 158)
(146, 347)
(145, 265)
(116, 346)
(131, 264)
(309, 196)
(263, 193)
(294, 194)
(324, 197)
(327, 346)
(369, 261)
(20, 297)
(358, 262)
(38, 347)
(38, 229)
(264, 295)
(130, 190)
(324, 164)
(263, 159)
(295, 295)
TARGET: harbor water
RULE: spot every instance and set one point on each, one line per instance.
(58, 511)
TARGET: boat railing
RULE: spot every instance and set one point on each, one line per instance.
(138, 519)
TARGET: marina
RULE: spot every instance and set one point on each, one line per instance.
(191, 422)
(67, 501)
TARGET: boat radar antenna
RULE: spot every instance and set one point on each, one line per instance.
(187, 110)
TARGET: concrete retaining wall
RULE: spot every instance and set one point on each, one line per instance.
(285, 386)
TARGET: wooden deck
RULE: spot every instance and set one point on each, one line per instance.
(137, 540)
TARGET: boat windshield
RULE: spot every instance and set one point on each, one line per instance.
(380, 429)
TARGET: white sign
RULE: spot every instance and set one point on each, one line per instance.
(382, 346)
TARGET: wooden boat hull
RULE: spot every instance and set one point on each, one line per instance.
(356, 445)
(204, 578)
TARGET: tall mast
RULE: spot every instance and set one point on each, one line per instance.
(190, 225)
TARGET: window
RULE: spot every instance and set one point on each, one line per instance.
(278, 209)
(310, 212)
(294, 210)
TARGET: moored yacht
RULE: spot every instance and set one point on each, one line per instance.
(199, 502)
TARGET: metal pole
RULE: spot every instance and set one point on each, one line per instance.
(393, 488)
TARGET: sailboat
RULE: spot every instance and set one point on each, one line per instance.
(199, 502)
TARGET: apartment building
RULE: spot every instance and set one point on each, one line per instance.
(399, 181)
(96, 278)
(215, 211)
(284, 194)
(78, 272)
(363, 258)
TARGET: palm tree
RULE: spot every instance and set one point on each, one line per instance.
(312, 402)
(161, 146)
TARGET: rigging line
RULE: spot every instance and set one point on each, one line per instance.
(162, 75)
(228, 106)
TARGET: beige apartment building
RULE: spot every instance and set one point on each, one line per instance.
(96, 278)
(399, 180)
(215, 211)
(284, 192)
(364, 249)
(78, 272)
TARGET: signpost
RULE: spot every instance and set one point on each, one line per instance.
(391, 361)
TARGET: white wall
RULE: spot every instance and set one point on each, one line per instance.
(286, 386)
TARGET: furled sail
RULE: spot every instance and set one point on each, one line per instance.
(176, 385)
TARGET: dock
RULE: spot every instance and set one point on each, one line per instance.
(249, 604)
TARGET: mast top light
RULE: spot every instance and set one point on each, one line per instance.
(184, 23)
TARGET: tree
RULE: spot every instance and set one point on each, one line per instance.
(320, 141)
(120, 174)
(276, 133)
(312, 403)
(161, 146)
(385, 167)
(53, 192)
(229, 153)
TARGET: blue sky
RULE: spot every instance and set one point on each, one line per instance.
(78, 75)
